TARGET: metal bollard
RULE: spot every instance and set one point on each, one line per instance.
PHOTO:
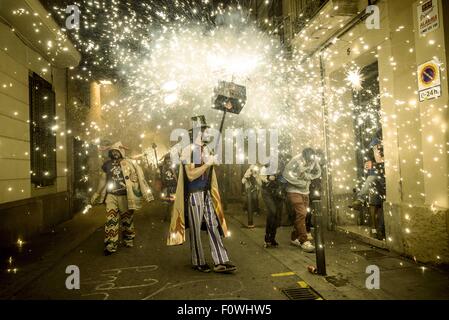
(319, 238)
(250, 208)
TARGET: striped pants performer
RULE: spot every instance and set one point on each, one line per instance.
(201, 208)
(117, 212)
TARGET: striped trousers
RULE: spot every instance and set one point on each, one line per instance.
(117, 212)
(201, 208)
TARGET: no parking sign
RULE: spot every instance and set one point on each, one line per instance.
(429, 81)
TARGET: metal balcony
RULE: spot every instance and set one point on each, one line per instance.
(319, 20)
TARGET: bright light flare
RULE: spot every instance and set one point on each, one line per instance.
(355, 79)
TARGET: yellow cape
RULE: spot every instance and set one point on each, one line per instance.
(177, 231)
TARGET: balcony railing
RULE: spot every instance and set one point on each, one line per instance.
(309, 9)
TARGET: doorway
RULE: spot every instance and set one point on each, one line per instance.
(369, 190)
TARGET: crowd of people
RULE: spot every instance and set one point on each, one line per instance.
(292, 185)
(289, 184)
(192, 189)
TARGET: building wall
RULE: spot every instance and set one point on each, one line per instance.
(415, 134)
(15, 180)
(22, 212)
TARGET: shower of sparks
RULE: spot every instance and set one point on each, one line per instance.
(167, 57)
(86, 209)
(159, 61)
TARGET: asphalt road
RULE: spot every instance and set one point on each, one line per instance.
(152, 271)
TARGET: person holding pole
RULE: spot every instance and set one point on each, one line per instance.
(198, 204)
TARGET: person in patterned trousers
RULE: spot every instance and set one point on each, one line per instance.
(122, 187)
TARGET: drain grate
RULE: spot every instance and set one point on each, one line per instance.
(300, 294)
(370, 254)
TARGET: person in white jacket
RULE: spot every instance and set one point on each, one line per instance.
(299, 172)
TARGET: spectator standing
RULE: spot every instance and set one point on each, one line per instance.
(274, 202)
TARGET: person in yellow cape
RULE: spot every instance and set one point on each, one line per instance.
(198, 205)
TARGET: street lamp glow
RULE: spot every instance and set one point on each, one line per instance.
(20, 243)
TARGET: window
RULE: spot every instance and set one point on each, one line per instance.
(42, 135)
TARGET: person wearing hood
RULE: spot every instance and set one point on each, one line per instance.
(273, 198)
(375, 173)
(373, 189)
(299, 173)
(122, 187)
(198, 205)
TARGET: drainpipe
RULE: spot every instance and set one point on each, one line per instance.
(69, 146)
(331, 219)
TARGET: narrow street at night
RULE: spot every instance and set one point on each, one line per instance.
(246, 157)
(151, 272)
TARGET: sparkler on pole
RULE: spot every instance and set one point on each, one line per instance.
(229, 97)
(154, 146)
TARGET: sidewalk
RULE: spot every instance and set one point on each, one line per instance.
(153, 271)
(346, 261)
(38, 255)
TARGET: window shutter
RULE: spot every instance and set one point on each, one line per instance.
(43, 138)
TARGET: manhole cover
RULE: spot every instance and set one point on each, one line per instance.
(370, 254)
(300, 294)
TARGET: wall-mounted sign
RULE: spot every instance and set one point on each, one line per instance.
(428, 18)
(429, 81)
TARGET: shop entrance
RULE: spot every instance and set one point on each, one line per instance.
(369, 193)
